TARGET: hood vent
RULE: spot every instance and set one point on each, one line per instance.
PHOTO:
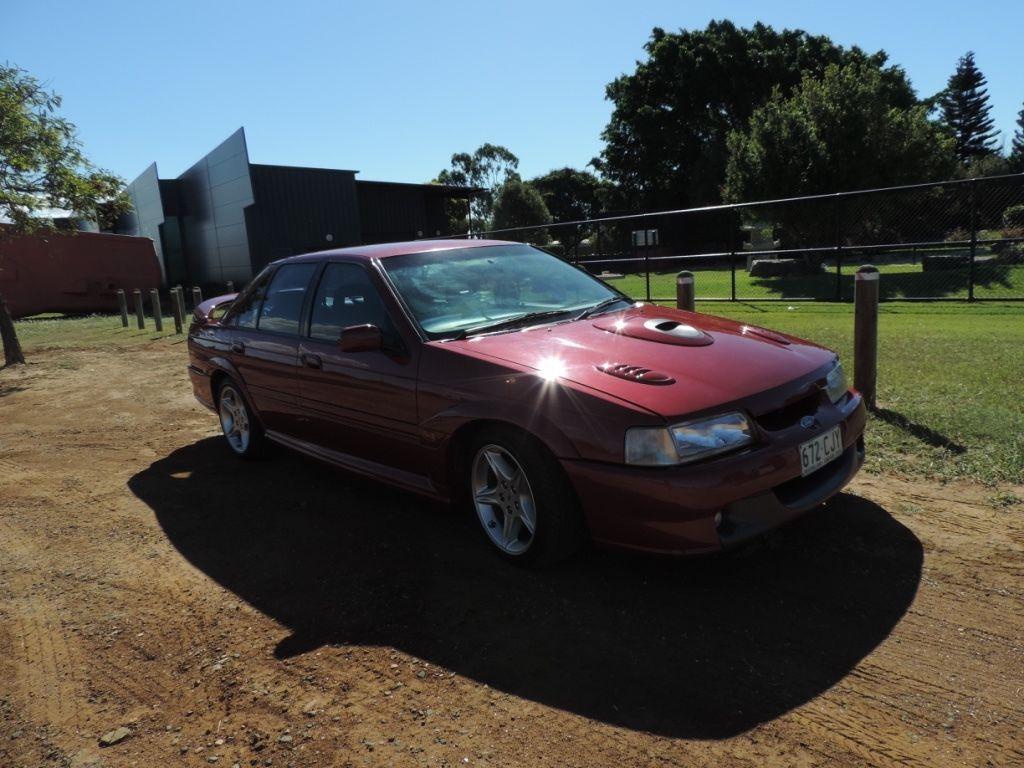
(636, 373)
(663, 330)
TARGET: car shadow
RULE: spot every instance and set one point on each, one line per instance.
(699, 648)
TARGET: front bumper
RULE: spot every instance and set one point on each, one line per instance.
(672, 510)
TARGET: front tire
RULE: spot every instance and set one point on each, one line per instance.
(524, 504)
(242, 431)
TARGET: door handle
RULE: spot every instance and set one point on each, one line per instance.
(238, 347)
(312, 361)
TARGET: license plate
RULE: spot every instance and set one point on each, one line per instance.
(820, 450)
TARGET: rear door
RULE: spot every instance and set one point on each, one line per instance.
(361, 404)
(264, 342)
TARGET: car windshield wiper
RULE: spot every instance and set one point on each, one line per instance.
(511, 322)
(589, 311)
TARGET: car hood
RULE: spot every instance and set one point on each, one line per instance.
(667, 361)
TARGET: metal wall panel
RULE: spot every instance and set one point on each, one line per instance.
(297, 209)
(215, 192)
(147, 214)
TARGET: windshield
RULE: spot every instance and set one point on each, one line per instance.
(468, 288)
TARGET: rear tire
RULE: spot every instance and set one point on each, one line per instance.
(242, 431)
(523, 503)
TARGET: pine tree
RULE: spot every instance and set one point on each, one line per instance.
(965, 109)
(1017, 148)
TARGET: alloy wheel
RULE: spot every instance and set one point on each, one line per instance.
(504, 499)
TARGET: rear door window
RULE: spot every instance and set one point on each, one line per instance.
(282, 306)
(244, 315)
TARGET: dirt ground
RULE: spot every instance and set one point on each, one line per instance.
(283, 613)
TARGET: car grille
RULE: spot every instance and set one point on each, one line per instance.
(790, 414)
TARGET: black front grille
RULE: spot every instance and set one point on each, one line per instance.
(790, 414)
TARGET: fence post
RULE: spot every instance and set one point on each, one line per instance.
(140, 315)
(176, 309)
(122, 302)
(158, 313)
(838, 248)
(181, 305)
(974, 238)
(685, 291)
(197, 296)
(231, 286)
(732, 253)
(865, 333)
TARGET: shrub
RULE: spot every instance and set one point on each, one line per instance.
(1013, 218)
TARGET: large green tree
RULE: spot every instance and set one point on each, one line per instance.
(966, 111)
(1017, 147)
(487, 168)
(41, 160)
(42, 166)
(665, 145)
(570, 195)
(519, 204)
(843, 131)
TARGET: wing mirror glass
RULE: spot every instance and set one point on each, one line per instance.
(361, 338)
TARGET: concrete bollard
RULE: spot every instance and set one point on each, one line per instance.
(865, 333)
(158, 314)
(140, 315)
(176, 308)
(197, 296)
(122, 302)
(685, 291)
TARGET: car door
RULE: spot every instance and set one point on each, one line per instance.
(264, 342)
(361, 405)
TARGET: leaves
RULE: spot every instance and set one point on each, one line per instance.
(41, 160)
(488, 168)
(666, 142)
(966, 111)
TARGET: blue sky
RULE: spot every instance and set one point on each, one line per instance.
(392, 89)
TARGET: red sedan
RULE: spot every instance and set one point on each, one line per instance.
(499, 377)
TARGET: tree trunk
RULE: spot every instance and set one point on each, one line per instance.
(12, 349)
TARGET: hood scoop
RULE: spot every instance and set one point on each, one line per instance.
(660, 329)
(635, 373)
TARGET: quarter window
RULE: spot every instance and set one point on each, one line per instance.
(244, 315)
(282, 306)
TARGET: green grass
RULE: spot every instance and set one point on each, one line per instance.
(992, 281)
(949, 381)
(54, 331)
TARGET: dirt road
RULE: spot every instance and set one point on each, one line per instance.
(282, 613)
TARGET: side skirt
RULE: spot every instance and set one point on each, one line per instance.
(397, 477)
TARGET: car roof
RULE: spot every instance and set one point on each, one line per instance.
(386, 250)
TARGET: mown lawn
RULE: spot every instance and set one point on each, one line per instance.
(950, 376)
(949, 381)
(992, 281)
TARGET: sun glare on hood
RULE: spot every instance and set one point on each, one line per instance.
(550, 368)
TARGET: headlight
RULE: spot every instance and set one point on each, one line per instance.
(691, 440)
(835, 383)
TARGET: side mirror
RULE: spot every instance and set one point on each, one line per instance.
(361, 338)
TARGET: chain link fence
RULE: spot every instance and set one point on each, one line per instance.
(950, 240)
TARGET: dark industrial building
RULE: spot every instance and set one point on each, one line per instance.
(225, 218)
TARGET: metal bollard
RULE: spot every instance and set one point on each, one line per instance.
(140, 315)
(176, 308)
(685, 291)
(122, 302)
(158, 314)
(865, 333)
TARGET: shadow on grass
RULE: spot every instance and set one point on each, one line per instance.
(920, 431)
(894, 285)
(704, 648)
